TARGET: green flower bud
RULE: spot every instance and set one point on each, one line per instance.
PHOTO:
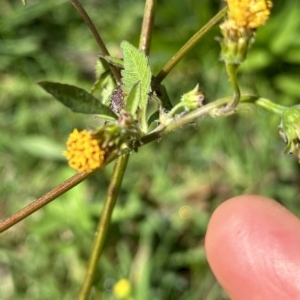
(290, 129)
(193, 99)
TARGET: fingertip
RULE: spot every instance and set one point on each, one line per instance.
(252, 245)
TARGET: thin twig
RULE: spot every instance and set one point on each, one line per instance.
(103, 225)
(147, 27)
(44, 200)
(96, 36)
(189, 45)
(50, 196)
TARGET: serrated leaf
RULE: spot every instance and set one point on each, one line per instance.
(136, 69)
(133, 98)
(77, 99)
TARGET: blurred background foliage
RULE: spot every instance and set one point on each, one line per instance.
(171, 186)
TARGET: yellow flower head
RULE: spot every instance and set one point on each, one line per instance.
(122, 289)
(84, 152)
(249, 13)
(238, 30)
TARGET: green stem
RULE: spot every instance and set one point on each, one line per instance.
(96, 36)
(76, 179)
(231, 70)
(270, 106)
(144, 45)
(193, 115)
(189, 45)
(210, 108)
(147, 27)
(103, 225)
(178, 106)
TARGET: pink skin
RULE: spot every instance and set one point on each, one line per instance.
(253, 248)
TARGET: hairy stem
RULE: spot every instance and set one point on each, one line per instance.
(96, 36)
(103, 225)
(210, 108)
(189, 45)
(147, 26)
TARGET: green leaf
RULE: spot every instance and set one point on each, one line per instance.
(104, 87)
(77, 99)
(136, 69)
(115, 61)
(154, 117)
(164, 97)
(101, 67)
(133, 98)
(24, 2)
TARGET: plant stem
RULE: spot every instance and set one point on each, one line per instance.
(189, 45)
(147, 26)
(44, 200)
(103, 225)
(270, 106)
(76, 179)
(144, 45)
(159, 132)
(186, 119)
(96, 36)
(118, 173)
(50, 196)
(231, 70)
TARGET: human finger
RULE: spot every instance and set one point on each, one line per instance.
(253, 248)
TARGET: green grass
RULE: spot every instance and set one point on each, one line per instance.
(199, 166)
